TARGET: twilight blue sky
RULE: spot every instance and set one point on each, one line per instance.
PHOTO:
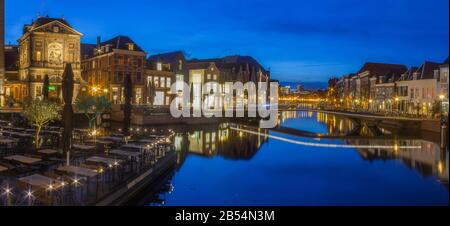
(299, 40)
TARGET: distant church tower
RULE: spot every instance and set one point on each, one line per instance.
(2, 51)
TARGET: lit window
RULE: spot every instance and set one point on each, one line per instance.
(156, 81)
(215, 77)
(209, 76)
(180, 78)
(167, 100)
(159, 99)
(138, 92)
(130, 46)
(38, 56)
(159, 66)
(56, 29)
(168, 82)
(163, 82)
(180, 65)
(115, 94)
(38, 91)
(149, 79)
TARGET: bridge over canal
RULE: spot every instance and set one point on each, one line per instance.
(397, 123)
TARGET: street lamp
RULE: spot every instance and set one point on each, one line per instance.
(95, 90)
(356, 104)
(396, 104)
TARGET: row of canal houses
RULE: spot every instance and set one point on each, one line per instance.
(105, 65)
(48, 44)
(394, 88)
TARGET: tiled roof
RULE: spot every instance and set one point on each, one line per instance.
(118, 42)
(198, 65)
(40, 21)
(382, 68)
(408, 75)
(45, 20)
(233, 62)
(392, 76)
(87, 50)
(121, 42)
(166, 57)
(426, 71)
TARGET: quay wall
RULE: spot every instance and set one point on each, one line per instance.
(137, 184)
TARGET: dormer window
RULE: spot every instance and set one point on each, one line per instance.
(130, 46)
(159, 66)
(56, 29)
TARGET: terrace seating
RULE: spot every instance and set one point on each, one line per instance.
(3, 168)
(99, 165)
(77, 171)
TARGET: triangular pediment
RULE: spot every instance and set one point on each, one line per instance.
(61, 28)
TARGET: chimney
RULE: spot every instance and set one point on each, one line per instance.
(98, 42)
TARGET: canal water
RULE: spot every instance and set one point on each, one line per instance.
(234, 165)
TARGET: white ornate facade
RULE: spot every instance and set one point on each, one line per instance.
(45, 47)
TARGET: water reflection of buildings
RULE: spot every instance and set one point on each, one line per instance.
(430, 160)
(295, 114)
(218, 140)
(336, 125)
